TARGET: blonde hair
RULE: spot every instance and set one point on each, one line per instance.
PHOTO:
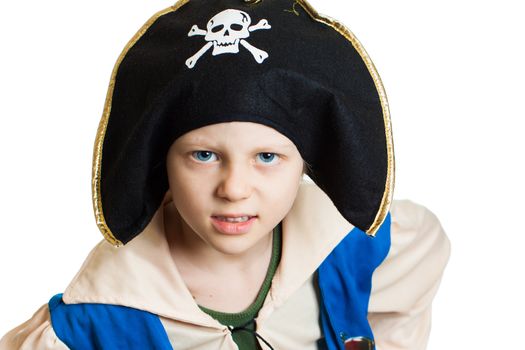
(307, 168)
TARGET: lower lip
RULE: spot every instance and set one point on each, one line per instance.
(233, 228)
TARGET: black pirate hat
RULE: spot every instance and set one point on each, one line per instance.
(274, 62)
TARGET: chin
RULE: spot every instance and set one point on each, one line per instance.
(235, 245)
(231, 250)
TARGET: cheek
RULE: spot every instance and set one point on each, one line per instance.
(280, 196)
(189, 192)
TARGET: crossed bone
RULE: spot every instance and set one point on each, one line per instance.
(258, 54)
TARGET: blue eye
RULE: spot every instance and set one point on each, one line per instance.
(203, 156)
(267, 157)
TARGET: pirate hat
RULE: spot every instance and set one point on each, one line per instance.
(273, 62)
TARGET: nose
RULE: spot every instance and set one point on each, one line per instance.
(235, 183)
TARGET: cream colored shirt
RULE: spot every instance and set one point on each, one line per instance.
(403, 286)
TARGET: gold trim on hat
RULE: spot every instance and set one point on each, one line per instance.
(390, 177)
(101, 131)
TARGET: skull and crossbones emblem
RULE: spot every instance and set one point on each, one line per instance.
(225, 31)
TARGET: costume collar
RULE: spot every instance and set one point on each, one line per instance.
(142, 274)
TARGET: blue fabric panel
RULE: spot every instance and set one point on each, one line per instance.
(345, 280)
(106, 327)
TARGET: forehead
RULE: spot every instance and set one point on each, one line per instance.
(237, 134)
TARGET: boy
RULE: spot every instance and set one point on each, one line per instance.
(197, 178)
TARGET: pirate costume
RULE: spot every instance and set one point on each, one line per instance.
(373, 264)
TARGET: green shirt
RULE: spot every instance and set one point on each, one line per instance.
(244, 339)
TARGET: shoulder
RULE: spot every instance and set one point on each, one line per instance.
(60, 326)
(85, 325)
(36, 333)
(417, 230)
(418, 255)
(409, 214)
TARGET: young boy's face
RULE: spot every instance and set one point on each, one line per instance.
(233, 169)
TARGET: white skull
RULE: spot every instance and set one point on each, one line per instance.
(226, 29)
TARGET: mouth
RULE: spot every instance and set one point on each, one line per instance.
(234, 218)
(233, 224)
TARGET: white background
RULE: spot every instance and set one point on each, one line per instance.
(453, 72)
